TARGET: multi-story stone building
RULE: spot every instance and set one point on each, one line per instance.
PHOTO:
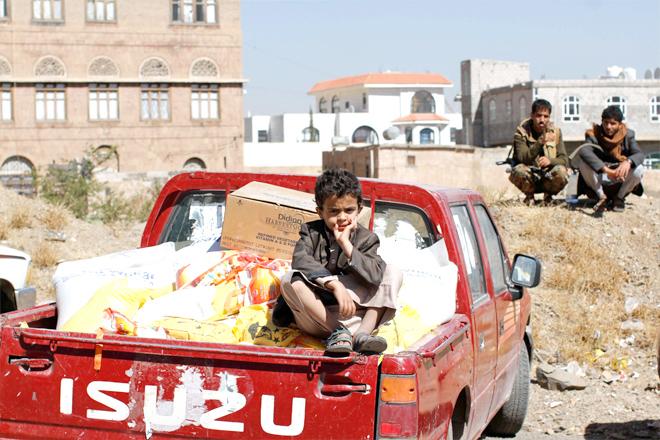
(497, 95)
(153, 84)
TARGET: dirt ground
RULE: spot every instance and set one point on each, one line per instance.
(593, 269)
(579, 318)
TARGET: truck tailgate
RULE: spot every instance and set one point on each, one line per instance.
(61, 385)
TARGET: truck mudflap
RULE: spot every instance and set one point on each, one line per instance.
(61, 385)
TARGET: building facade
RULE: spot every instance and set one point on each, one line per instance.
(371, 109)
(149, 84)
(576, 104)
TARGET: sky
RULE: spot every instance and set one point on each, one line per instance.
(289, 45)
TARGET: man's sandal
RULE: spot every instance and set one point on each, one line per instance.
(340, 342)
(600, 206)
(368, 344)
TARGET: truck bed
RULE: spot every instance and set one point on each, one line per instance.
(60, 385)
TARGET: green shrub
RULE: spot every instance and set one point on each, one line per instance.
(111, 208)
(70, 185)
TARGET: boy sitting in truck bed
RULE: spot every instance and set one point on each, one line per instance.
(340, 288)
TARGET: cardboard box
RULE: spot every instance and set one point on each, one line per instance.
(266, 219)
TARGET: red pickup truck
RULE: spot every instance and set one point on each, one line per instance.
(468, 375)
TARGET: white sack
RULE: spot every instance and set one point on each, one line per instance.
(192, 303)
(77, 281)
(429, 279)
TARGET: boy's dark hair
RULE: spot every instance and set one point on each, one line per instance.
(612, 112)
(337, 182)
(541, 103)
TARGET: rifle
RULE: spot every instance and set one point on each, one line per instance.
(509, 159)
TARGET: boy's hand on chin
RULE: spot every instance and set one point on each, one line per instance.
(345, 233)
(343, 237)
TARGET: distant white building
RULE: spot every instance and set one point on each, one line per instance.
(497, 95)
(389, 108)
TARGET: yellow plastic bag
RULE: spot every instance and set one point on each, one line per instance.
(253, 325)
(227, 300)
(308, 341)
(200, 331)
(115, 295)
(402, 331)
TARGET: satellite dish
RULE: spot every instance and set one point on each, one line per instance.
(391, 133)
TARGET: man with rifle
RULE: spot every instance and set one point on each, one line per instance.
(539, 155)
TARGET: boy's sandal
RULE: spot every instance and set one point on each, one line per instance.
(368, 344)
(340, 341)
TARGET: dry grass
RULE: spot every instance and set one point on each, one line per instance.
(495, 196)
(55, 218)
(4, 230)
(45, 255)
(578, 308)
(20, 219)
(650, 316)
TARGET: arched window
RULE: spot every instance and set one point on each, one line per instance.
(17, 165)
(365, 135)
(422, 102)
(310, 134)
(204, 68)
(571, 108)
(620, 102)
(49, 66)
(522, 107)
(322, 104)
(106, 158)
(335, 104)
(492, 110)
(154, 67)
(654, 109)
(426, 136)
(194, 164)
(102, 66)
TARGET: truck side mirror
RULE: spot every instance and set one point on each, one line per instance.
(526, 271)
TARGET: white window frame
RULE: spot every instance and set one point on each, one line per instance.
(155, 102)
(204, 102)
(508, 108)
(654, 109)
(103, 102)
(6, 103)
(570, 109)
(619, 101)
(48, 10)
(189, 11)
(4, 10)
(50, 103)
(101, 11)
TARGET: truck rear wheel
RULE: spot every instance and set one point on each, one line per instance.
(509, 419)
